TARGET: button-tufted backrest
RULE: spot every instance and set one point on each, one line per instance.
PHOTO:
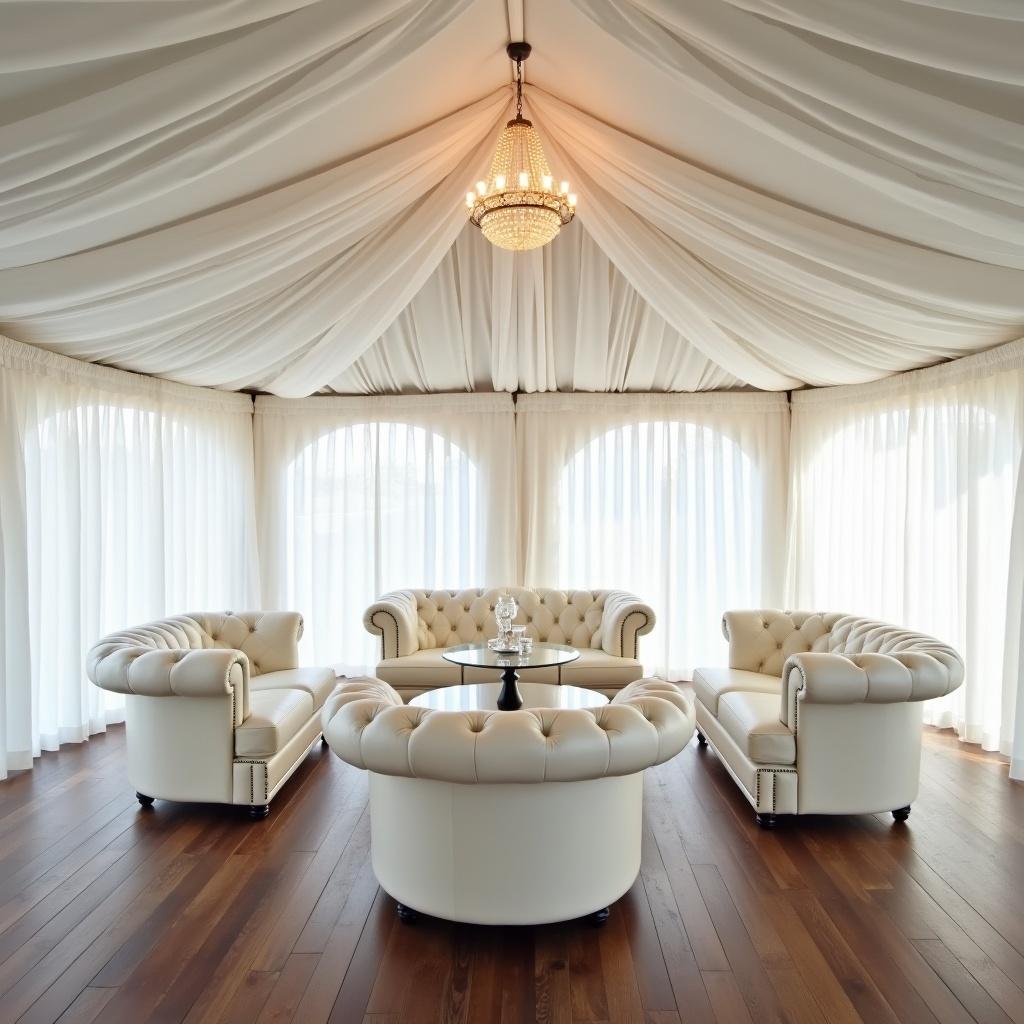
(268, 639)
(367, 725)
(448, 617)
(762, 640)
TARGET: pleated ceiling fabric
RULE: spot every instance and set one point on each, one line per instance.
(268, 195)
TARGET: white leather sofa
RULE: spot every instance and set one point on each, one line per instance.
(506, 817)
(217, 709)
(415, 626)
(820, 713)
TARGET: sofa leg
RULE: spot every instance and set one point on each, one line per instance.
(901, 813)
(599, 917)
(767, 820)
(406, 914)
(323, 740)
(146, 801)
(258, 811)
(702, 740)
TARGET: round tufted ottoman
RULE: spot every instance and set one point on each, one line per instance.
(506, 817)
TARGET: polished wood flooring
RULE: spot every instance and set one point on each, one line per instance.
(185, 913)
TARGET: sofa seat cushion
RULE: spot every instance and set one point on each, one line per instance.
(595, 668)
(752, 721)
(424, 669)
(711, 684)
(275, 718)
(319, 683)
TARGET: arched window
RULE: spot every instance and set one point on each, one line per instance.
(371, 507)
(672, 510)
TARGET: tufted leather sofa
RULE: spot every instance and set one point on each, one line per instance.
(506, 817)
(820, 713)
(415, 626)
(217, 709)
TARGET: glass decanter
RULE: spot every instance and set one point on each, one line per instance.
(505, 611)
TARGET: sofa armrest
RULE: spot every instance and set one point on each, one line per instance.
(393, 619)
(819, 678)
(624, 620)
(143, 671)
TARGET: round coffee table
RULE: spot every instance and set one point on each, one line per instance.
(484, 697)
(481, 656)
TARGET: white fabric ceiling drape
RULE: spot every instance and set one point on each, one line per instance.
(561, 318)
(252, 195)
(122, 499)
(681, 499)
(904, 496)
(358, 496)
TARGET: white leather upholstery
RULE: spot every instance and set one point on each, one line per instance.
(277, 717)
(647, 723)
(752, 720)
(820, 712)
(319, 683)
(217, 709)
(506, 817)
(604, 625)
(710, 684)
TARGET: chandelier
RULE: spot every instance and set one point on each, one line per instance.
(518, 206)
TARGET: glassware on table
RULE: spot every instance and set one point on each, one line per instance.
(518, 632)
(505, 610)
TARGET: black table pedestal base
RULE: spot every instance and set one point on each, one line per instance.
(510, 699)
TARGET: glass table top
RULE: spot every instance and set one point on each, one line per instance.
(481, 656)
(484, 697)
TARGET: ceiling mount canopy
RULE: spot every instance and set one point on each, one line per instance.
(518, 207)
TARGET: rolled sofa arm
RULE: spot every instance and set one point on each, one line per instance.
(367, 725)
(393, 618)
(819, 678)
(624, 620)
(116, 665)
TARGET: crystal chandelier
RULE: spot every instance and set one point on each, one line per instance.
(518, 206)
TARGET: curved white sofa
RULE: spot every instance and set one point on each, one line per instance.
(820, 713)
(217, 709)
(506, 817)
(415, 626)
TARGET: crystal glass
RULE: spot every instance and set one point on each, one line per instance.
(518, 634)
(505, 611)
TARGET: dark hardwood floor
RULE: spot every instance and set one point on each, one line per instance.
(193, 913)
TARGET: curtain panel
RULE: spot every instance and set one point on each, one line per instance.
(358, 496)
(905, 506)
(122, 499)
(680, 498)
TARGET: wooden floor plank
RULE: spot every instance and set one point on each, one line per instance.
(195, 914)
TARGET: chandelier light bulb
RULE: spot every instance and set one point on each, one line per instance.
(572, 199)
(530, 214)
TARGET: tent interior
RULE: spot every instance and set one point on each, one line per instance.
(255, 355)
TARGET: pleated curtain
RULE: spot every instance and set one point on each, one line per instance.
(122, 499)
(905, 507)
(678, 498)
(359, 496)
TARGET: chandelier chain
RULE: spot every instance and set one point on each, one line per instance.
(519, 89)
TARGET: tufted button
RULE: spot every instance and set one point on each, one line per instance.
(252, 629)
(256, 666)
(764, 623)
(760, 667)
(778, 647)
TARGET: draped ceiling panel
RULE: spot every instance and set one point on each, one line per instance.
(268, 194)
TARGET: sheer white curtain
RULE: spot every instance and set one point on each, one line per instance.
(121, 499)
(680, 499)
(903, 498)
(358, 496)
